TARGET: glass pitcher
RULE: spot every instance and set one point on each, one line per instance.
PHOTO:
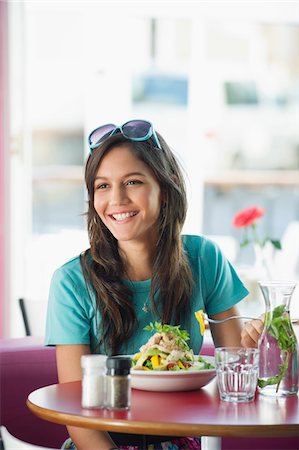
(278, 365)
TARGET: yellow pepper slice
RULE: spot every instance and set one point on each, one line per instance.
(181, 365)
(200, 317)
(137, 356)
(155, 360)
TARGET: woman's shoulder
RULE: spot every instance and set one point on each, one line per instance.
(196, 245)
(71, 268)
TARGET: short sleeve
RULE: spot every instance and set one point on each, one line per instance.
(223, 288)
(67, 319)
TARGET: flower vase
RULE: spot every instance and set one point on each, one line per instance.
(263, 264)
(278, 363)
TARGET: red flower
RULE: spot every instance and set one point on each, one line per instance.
(247, 216)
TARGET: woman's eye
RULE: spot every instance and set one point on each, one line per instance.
(132, 182)
(102, 186)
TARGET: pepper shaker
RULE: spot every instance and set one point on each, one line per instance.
(118, 382)
(93, 381)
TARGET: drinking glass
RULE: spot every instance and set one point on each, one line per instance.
(237, 372)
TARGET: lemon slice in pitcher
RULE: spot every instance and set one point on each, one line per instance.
(200, 317)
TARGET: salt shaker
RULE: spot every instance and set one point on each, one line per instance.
(93, 381)
(118, 382)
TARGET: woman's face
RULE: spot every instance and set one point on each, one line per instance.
(127, 196)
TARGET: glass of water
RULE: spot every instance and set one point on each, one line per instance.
(237, 373)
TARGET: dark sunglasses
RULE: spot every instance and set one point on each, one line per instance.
(135, 130)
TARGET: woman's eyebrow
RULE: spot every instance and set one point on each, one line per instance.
(131, 174)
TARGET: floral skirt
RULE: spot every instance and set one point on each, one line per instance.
(185, 443)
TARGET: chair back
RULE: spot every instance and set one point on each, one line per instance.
(34, 313)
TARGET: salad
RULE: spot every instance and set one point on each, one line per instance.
(167, 349)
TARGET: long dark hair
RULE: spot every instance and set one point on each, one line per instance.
(102, 265)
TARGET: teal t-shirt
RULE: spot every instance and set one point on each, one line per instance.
(72, 317)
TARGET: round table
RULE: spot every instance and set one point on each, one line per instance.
(190, 413)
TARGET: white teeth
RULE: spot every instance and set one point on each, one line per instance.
(123, 216)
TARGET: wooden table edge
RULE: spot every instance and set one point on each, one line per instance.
(173, 429)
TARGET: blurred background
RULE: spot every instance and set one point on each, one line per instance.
(219, 80)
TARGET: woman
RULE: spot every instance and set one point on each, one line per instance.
(138, 268)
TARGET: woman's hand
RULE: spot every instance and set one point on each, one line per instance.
(252, 331)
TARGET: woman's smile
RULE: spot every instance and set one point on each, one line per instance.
(123, 217)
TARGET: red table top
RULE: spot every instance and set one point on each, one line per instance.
(190, 413)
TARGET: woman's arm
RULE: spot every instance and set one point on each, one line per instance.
(227, 334)
(68, 359)
(233, 333)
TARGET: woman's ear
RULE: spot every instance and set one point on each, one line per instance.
(175, 179)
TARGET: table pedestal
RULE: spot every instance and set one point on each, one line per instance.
(210, 443)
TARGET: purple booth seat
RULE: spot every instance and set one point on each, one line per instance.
(26, 365)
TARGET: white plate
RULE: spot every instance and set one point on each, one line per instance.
(155, 380)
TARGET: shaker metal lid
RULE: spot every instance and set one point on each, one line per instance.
(119, 365)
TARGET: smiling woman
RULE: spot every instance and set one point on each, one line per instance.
(139, 268)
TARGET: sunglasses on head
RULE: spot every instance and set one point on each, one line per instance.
(135, 130)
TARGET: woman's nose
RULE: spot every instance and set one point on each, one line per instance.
(118, 196)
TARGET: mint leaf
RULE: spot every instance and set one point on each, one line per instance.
(278, 311)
